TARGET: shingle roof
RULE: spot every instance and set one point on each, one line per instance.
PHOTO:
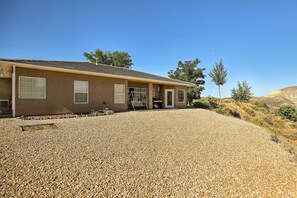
(91, 67)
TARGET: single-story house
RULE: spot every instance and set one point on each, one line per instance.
(42, 87)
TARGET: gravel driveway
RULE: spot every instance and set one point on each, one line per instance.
(144, 153)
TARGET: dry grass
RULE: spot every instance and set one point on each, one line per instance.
(259, 114)
(180, 153)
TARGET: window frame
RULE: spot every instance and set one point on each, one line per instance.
(183, 97)
(115, 93)
(31, 98)
(80, 92)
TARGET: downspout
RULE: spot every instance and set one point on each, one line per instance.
(13, 90)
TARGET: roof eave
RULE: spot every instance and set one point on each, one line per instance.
(38, 67)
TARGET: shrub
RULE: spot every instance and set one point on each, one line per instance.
(222, 111)
(101, 112)
(229, 112)
(275, 138)
(242, 93)
(108, 112)
(249, 111)
(260, 107)
(201, 103)
(213, 102)
(290, 135)
(269, 120)
(234, 113)
(259, 121)
(287, 112)
(278, 122)
(95, 113)
(206, 103)
(294, 125)
(227, 100)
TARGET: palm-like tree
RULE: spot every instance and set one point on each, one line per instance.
(219, 75)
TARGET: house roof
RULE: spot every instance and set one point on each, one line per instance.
(93, 68)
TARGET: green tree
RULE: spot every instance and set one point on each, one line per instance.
(242, 93)
(118, 59)
(219, 75)
(287, 112)
(190, 72)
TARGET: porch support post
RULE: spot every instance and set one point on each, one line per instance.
(13, 90)
(150, 96)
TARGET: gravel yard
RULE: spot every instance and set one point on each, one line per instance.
(144, 153)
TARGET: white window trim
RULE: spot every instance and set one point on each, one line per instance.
(173, 98)
(184, 95)
(80, 92)
(19, 91)
(114, 94)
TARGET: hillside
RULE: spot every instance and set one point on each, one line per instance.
(275, 99)
(254, 112)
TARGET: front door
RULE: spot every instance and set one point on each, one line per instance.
(169, 98)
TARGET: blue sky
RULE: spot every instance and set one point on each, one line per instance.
(257, 40)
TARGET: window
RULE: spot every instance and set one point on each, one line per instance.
(143, 96)
(181, 95)
(32, 88)
(81, 92)
(119, 94)
(137, 94)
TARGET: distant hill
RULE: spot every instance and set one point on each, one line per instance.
(285, 96)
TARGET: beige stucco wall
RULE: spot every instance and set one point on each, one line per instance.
(5, 88)
(137, 84)
(60, 94)
(157, 93)
(180, 104)
(175, 88)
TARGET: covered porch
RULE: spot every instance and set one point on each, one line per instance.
(5, 90)
(155, 95)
